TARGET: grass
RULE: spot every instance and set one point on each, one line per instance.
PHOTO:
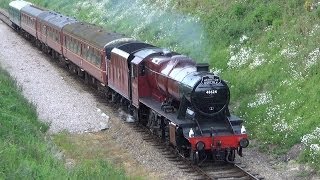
(26, 152)
(267, 50)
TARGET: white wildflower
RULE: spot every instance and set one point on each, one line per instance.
(286, 82)
(315, 147)
(261, 99)
(268, 28)
(215, 71)
(315, 28)
(282, 126)
(308, 139)
(257, 61)
(289, 52)
(274, 112)
(296, 75)
(292, 105)
(313, 58)
(273, 44)
(240, 58)
(243, 38)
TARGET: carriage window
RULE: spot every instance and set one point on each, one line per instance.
(78, 47)
(75, 46)
(68, 43)
(83, 50)
(56, 35)
(98, 60)
(50, 32)
(88, 53)
(72, 45)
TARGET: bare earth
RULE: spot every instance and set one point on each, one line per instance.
(69, 106)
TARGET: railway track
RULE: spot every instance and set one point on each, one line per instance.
(207, 170)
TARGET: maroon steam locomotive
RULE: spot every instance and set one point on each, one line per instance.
(169, 93)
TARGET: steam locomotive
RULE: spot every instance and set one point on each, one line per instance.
(177, 99)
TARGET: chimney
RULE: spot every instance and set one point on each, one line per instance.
(202, 67)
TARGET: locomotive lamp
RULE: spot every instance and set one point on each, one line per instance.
(244, 142)
(243, 130)
(191, 133)
(200, 146)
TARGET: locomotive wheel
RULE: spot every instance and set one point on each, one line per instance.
(231, 157)
(194, 155)
(86, 78)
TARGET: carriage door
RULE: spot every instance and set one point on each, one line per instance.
(44, 32)
(135, 81)
(40, 31)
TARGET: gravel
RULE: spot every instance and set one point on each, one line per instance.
(59, 102)
(66, 105)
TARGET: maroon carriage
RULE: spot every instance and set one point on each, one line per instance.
(84, 45)
(29, 20)
(49, 28)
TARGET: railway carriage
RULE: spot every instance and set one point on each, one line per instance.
(84, 45)
(50, 26)
(15, 12)
(29, 21)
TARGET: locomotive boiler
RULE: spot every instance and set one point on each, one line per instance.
(179, 78)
